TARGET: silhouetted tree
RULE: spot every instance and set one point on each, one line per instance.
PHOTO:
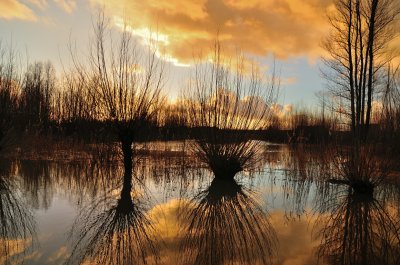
(358, 51)
(390, 116)
(124, 82)
(225, 102)
(74, 101)
(37, 93)
(9, 89)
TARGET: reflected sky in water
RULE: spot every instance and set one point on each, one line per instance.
(172, 211)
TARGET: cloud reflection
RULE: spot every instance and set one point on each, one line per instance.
(226, 225)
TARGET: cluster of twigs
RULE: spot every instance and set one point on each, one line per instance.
(226, 103)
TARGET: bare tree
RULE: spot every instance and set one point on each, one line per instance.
(390, 106)
(174, 115)
(358, 48)
(37, 93)
(74, 102)
(225, 103)
(9, 89)
(124, 83)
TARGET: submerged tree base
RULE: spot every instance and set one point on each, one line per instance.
(219, 188)
(225, 168)
(363, 188)
(225, 224)
(359, 187)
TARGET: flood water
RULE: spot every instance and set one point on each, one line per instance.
(172, 211)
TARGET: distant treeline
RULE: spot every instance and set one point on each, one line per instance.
(101, 102)
(36, 102)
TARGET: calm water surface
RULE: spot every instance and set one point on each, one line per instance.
(172, 211)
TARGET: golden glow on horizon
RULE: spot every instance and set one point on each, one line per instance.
(172, 99)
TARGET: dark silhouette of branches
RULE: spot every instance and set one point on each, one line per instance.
(76, 103)
(110, 231)
(359, 229)
(123, 83)
(9, 89)
(390, 116)
(358, 48)
(37, 93)
(226, 225)
(355, 203)
(17, 226)
(227, 102)
(359, 166)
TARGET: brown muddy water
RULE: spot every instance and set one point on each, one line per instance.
(173, 211)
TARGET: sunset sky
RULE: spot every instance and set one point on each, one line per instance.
(290, 30)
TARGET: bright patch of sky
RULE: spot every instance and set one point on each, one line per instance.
(58, 24)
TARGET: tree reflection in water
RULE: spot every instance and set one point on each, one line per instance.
(114, 231)
(17, 226)
(356, 203)
(360, 229)
(359, 210)
(226, 225)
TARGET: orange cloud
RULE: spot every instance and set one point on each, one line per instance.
(17, 9)
(13, 9)
(285, 27)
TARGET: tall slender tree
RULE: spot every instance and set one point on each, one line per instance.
(358, 48)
